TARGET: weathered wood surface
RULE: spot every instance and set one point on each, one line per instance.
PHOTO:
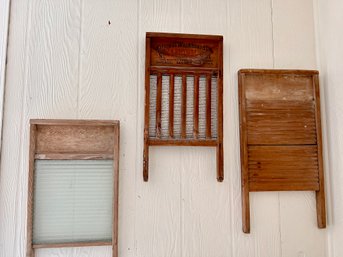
(281, 136)
(73, 139)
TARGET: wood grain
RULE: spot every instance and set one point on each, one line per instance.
(74, 139)
(158, 105)
(220, 132)
(29, 226)
(171, 105)
(183, 106)
(70, 141)
(320, 194)
(146, 113)
(185, 56)
(196, 108)
(278, 87)
(81, 244)
(183, 142)
(73, 156)
(208, 106)
(115, 225)
(278, 151)
(281, 122)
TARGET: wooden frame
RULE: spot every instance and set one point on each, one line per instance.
(183, 55)
(280, 134)
(73, 140)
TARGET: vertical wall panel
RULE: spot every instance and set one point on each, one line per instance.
(48, 88)
(157, 230)
(107, 90)
(52, 59)
(294, 44)
(206, 205)
(51, 71)
(330, 40)
(251, 46)
(294, 39)
(11, 222)
(4, 24)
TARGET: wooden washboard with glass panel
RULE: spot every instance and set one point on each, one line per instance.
(183, 93)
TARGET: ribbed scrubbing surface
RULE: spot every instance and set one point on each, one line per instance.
(73, 201)
(177, 106)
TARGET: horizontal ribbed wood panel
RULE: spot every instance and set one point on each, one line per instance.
(283, 168)
(281, 122)
(280, 135)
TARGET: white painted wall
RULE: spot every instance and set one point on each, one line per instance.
(330, 52)
(85, 59)
(4, 23)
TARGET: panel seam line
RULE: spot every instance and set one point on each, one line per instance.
(138, 125)
(79, 62)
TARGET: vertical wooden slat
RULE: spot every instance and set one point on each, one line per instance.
(171, 105)
(320, 195)
(115, 190)
(208, 106)
(183, 106)
(29, 249)
(158, 105)
(196, 107)
(244, 157)
(146, 115)
(220, 149)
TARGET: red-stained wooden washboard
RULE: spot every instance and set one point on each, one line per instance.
(183, 93)
(280, 131)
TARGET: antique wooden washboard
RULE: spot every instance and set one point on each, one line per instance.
(183, 93)
(280, 130)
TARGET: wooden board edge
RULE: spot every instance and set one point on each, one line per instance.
(79, 244)
(29, 226)
(183, 36)
(320, 194)
(64, 122)
(146, 111)
(116, 157)
(220, 116)
(278, 71)
(243, 157)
